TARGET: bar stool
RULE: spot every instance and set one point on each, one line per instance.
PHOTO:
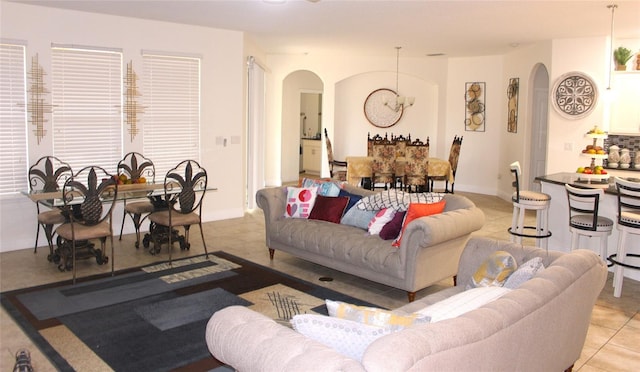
(584, 219)
(628, 223)
(529, 200)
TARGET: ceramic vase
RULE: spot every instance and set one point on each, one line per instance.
(614, 156)
(625, 158)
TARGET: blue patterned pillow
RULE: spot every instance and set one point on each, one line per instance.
(358, 218)
(325, 188)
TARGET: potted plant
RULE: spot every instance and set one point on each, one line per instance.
(622, 55)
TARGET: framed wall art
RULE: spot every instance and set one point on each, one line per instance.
(474, 107)
(512, 105)
(574, 95)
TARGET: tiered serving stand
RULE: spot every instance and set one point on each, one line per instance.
(594, 178)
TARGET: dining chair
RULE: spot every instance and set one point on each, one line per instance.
(584, 219)
(416, 169)
(454, 155)
(185, 186)
(89, 197)
(371, 141)
(137, 169)
(383, 164)
(48, 174)
(401, 144)
(628, 224)
(337, 168)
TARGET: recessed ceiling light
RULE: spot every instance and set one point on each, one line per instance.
(435, 54)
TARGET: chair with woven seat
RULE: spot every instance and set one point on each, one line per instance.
(454, 155)
(584, 219)
(416, 170)
(628, 224)
(48, 174)
(136, 168)
(337, 168)
(185, 186)
(89, 197)
(524, 200)
(383, 167)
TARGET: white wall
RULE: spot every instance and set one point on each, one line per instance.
(222, 111)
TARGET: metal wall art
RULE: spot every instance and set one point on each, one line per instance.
(37, 106)
(512, 105)
(131, 106)
(574, 95)
(474, 107)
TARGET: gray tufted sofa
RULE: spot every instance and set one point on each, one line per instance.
(540, 326)
(429, 251)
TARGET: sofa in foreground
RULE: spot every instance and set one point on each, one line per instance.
(428, 252)
(539, 326)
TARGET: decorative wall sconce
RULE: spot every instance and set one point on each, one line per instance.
(399, 102)
(131, 106)
(37, 107)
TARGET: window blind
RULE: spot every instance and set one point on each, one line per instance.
(13, 124)
(171, 95)
(87, 100)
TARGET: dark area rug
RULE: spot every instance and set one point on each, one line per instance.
(154, 317)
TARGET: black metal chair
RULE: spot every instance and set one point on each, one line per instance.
(135, 167)
(89, 197)
(48, 174)
(184, 189)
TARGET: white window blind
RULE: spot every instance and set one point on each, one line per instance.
(171, 95)
(13, 140)
(87, 100)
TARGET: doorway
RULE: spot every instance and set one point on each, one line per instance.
(539, 126)
(295, 86)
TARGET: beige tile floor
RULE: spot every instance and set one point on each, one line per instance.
(613, 340)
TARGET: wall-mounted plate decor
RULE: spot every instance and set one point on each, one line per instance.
(378, 112)
(574, 95)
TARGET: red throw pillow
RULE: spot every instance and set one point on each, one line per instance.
(392, 229)
(329, 208)
(417, 210)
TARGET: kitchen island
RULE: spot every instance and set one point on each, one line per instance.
(560, 239)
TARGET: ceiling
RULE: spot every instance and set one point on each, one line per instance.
(455, 28)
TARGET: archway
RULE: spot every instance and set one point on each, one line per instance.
(295, 85)
(539, 125)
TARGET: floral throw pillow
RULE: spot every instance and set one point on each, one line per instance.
(300, 201)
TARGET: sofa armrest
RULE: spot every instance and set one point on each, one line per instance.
(438, 228)
(249, 341)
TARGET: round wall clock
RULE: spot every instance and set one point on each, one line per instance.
(574, 95)
(377, 112)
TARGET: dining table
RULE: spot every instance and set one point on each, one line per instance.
(359, 167)
(155, 192)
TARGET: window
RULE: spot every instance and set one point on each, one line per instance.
(13, 124)
(87, 100)
(171, 95)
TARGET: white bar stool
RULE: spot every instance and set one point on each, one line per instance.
(584, 219)
(628, 223)
(529, 200)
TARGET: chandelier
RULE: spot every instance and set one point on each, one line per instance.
(400, 102)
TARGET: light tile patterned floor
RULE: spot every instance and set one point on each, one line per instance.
(613, 340)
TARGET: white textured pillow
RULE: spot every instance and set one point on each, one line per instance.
(347, 337)
(462, 302)
(381, 218)
(524, 272)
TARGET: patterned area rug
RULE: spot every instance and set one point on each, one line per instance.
(154, 317)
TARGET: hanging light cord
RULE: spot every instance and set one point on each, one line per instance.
(613, 8)
(397, 69)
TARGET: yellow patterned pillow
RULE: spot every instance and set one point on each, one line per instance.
(494, 271)
(373, 316)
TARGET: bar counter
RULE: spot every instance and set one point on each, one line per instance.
(560, 240)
